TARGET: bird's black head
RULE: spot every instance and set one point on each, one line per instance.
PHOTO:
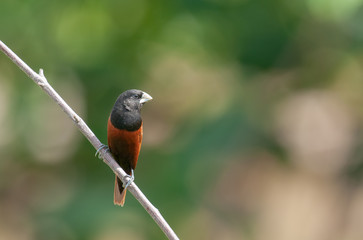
(126, 111)
(132, 100)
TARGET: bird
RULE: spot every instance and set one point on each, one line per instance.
(124, 136)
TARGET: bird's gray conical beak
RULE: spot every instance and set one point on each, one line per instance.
(145, 98)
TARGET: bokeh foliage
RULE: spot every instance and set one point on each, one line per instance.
(255, 130)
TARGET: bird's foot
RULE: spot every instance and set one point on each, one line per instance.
(99, 149)
(130, 179)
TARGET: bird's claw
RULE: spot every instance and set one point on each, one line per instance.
(130, 179)
(99, 149)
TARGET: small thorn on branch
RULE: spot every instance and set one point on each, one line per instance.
(40, 79)
(41, 73)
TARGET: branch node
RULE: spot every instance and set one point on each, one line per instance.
(41, 74)
(76, 119)
(41, 84)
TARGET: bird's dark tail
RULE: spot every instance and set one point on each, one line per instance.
(119, 193)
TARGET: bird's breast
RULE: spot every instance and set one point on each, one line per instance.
(124, 145)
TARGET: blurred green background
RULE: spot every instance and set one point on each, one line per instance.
(255, 131)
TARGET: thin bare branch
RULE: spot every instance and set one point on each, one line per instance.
(41, 81)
